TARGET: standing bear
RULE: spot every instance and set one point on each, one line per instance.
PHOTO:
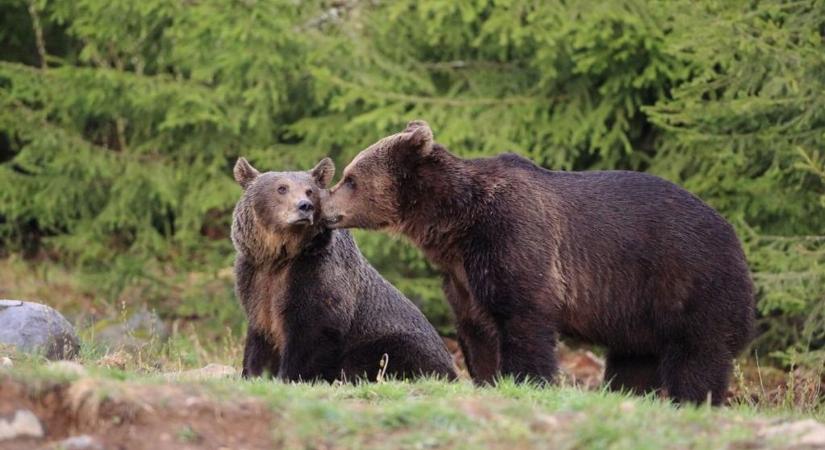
(620, 259)
(316, 308)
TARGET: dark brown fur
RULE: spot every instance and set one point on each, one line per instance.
(621, 259)
(316, 308)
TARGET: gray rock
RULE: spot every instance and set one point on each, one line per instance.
(23, 424)
(138, 330)
(32, 327)
(82, 442)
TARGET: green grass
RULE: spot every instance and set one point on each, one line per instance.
(436, 414)
(390, 415)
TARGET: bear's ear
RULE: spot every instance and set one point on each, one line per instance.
(244, 172)
(322, 172)
(418, 136)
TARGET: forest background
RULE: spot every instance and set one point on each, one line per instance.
(120, 122)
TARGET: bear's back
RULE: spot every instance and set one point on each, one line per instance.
(599, 204)
(606, 238)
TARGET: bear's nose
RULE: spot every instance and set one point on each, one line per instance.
(305, 206)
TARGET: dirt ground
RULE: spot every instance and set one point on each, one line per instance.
(139, 417)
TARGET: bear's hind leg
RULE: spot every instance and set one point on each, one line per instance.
(479, 345)
(693, 374)
(638, 374)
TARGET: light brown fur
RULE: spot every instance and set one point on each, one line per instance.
(266, 306)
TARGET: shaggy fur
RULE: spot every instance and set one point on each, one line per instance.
(621, 259)
(316, 308)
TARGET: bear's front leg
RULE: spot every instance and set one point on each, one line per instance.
(526, 335)
(312, 355)
(259, 355)
(476, 332)
(528, 348)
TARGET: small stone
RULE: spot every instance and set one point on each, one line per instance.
(801, 434)
(192, 402)
(69, 367)
(82, 442)
(24, 424)
(544, 423)
(627, 406)
(116, 360)
(6, 362)
(209, 371)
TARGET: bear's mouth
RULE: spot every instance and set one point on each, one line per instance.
(302, 220)
(333, 220)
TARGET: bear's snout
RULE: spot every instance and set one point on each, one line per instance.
(305, 206)
(304, 214)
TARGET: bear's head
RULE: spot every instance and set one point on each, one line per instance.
(278, 210)
(367, 195)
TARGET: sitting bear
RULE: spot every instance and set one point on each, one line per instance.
(621, 259)
(316, 308)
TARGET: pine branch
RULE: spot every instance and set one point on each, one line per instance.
(454, 102)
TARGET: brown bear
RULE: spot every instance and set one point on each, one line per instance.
(621, 259)
(316, 308)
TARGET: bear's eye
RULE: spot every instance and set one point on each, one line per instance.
(282, 190)
(349, 182)
(309, 192)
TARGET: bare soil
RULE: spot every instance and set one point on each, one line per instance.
(137, 417)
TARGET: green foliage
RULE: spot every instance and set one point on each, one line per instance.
(745, 133)
(116, 144)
